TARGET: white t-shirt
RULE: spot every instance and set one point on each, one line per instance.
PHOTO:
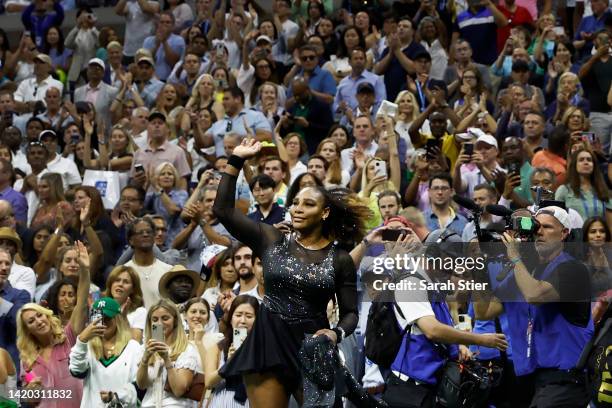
(22, 277)
(414, 304)
(67, 169)
(149, 280)
(139, 26)
(138, 318)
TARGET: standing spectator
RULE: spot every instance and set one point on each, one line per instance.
(39, 16)
(140, 23)
(57, 163)
(589, 27)
(478, 25)
(21, 277)
(149, 86)
(347, 88)
(54, 46)
(158, 150)
(15, 198)
(34, 89)
(320, 81)
(353, 157)
(52, 201)
(183, 15)
(554, 156)
(309, 117)
(44, 346)
(166, 47)
(396, 60)
(434, 39)
(103, 342)
(442, 215)
(141, 235)
(596, 77)
(11, 300)
(96, 92)
(462, 52)
(517, 16)
(222, 279)
(266, 210)
(483, 163)
(83, 39)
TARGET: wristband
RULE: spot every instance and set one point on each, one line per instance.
(365, 242)
(236, 161)
(515, 260)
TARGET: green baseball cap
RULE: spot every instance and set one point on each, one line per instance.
(109, 307)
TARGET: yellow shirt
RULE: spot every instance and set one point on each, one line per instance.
(449, 147)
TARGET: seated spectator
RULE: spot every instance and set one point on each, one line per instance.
(267, 210)
(222, 279)
(553, 157)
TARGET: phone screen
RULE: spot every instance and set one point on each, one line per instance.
(393, 234)
(240, 334)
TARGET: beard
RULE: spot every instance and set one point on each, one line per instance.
(246, 274)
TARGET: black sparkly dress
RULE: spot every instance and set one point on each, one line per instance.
(299, 283)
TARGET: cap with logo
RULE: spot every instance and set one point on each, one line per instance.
(108, 306)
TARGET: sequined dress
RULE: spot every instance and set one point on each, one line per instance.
(298, 282)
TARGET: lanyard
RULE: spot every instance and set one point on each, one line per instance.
(586, 207)
(421, 95)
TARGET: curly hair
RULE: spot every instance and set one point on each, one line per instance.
(347, 215)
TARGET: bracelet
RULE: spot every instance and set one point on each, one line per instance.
(236, 161)
(515, 260)
(339, 333)
(365, 242)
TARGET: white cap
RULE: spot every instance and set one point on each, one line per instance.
(559, 213)
(263, 38)
(98, 62)
(488, 139)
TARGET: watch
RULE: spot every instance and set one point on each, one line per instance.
(339, 333)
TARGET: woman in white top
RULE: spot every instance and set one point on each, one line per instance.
(183, 15)
(222, 279)
(123, 285)
(434, 38)
(339, 64)
(106, 357)
(407, 111)
(290, 149)
(173, 361)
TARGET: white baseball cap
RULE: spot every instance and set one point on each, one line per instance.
(488, 139)
(98, 62)
(559, 213)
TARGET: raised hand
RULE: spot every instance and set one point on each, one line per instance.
(85, 212)
(82, 254)
(247, 149)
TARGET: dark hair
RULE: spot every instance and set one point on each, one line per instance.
(490, 189)
(35, 119)
(308, 47)
(349, 136)
(303, 146)
(96, 209)
(83, 9)
(264, 181)
(567, 44)
(235, 92)
(132, 225)
(284, 166)
(590, 221)
(597, 180)
(268, 20)
(342, 50)
(295, 187)
(537, 113)
(54, 291)
(28, 249)
(139, 190)
(319, 6)
(558, 140)
(441, 176)
(319, 157)
(347, 215)
(184, 308)
(238, 301)
(5, 43)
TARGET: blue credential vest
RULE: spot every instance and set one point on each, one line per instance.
(418, 357)
(555, 342)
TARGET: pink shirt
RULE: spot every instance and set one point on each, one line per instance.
(54, 374)
(91, 93)
(530, 5)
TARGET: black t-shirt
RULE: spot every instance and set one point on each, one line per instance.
(596, 85)
(572, 282)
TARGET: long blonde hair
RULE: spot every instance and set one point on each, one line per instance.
(388, 185)
(27, 344)
(413, 102)
(178, 341)
(123, 335)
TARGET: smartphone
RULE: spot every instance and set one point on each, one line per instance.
(588, 137)
(468, 148)
(27, 33)
(75, 138)
(96, 314)
(380, 168)
(430, 147)
(558, 30)
(157, 333)
(393, 234)
(388, 108)
(240, 333)
(139, 168)
(514, 168)
(465, 322)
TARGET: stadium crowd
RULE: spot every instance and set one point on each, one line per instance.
(183, 200)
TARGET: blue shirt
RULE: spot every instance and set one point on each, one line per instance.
(276, 215)
(17, 201)
(347, 89)
(150, 91)
(320, 80)
(162, 68)
(12, 300)
(395, 76)
(590, 24)
(174, 222)
(480, 31)
(255, 121)
(456, 225)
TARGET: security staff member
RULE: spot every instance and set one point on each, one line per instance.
(548, 312)
(416, 368)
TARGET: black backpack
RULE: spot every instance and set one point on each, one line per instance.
(383, 336)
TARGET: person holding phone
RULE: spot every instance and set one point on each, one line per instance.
(239, 323)
(169, 362)
(302, 272)
(106, 357)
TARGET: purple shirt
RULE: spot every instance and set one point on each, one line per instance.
(18, 202)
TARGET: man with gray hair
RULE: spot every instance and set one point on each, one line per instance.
(138, 126)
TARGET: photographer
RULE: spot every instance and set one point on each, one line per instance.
(549, 333)
(430, 339)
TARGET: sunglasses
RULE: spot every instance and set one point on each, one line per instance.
(309, 57)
